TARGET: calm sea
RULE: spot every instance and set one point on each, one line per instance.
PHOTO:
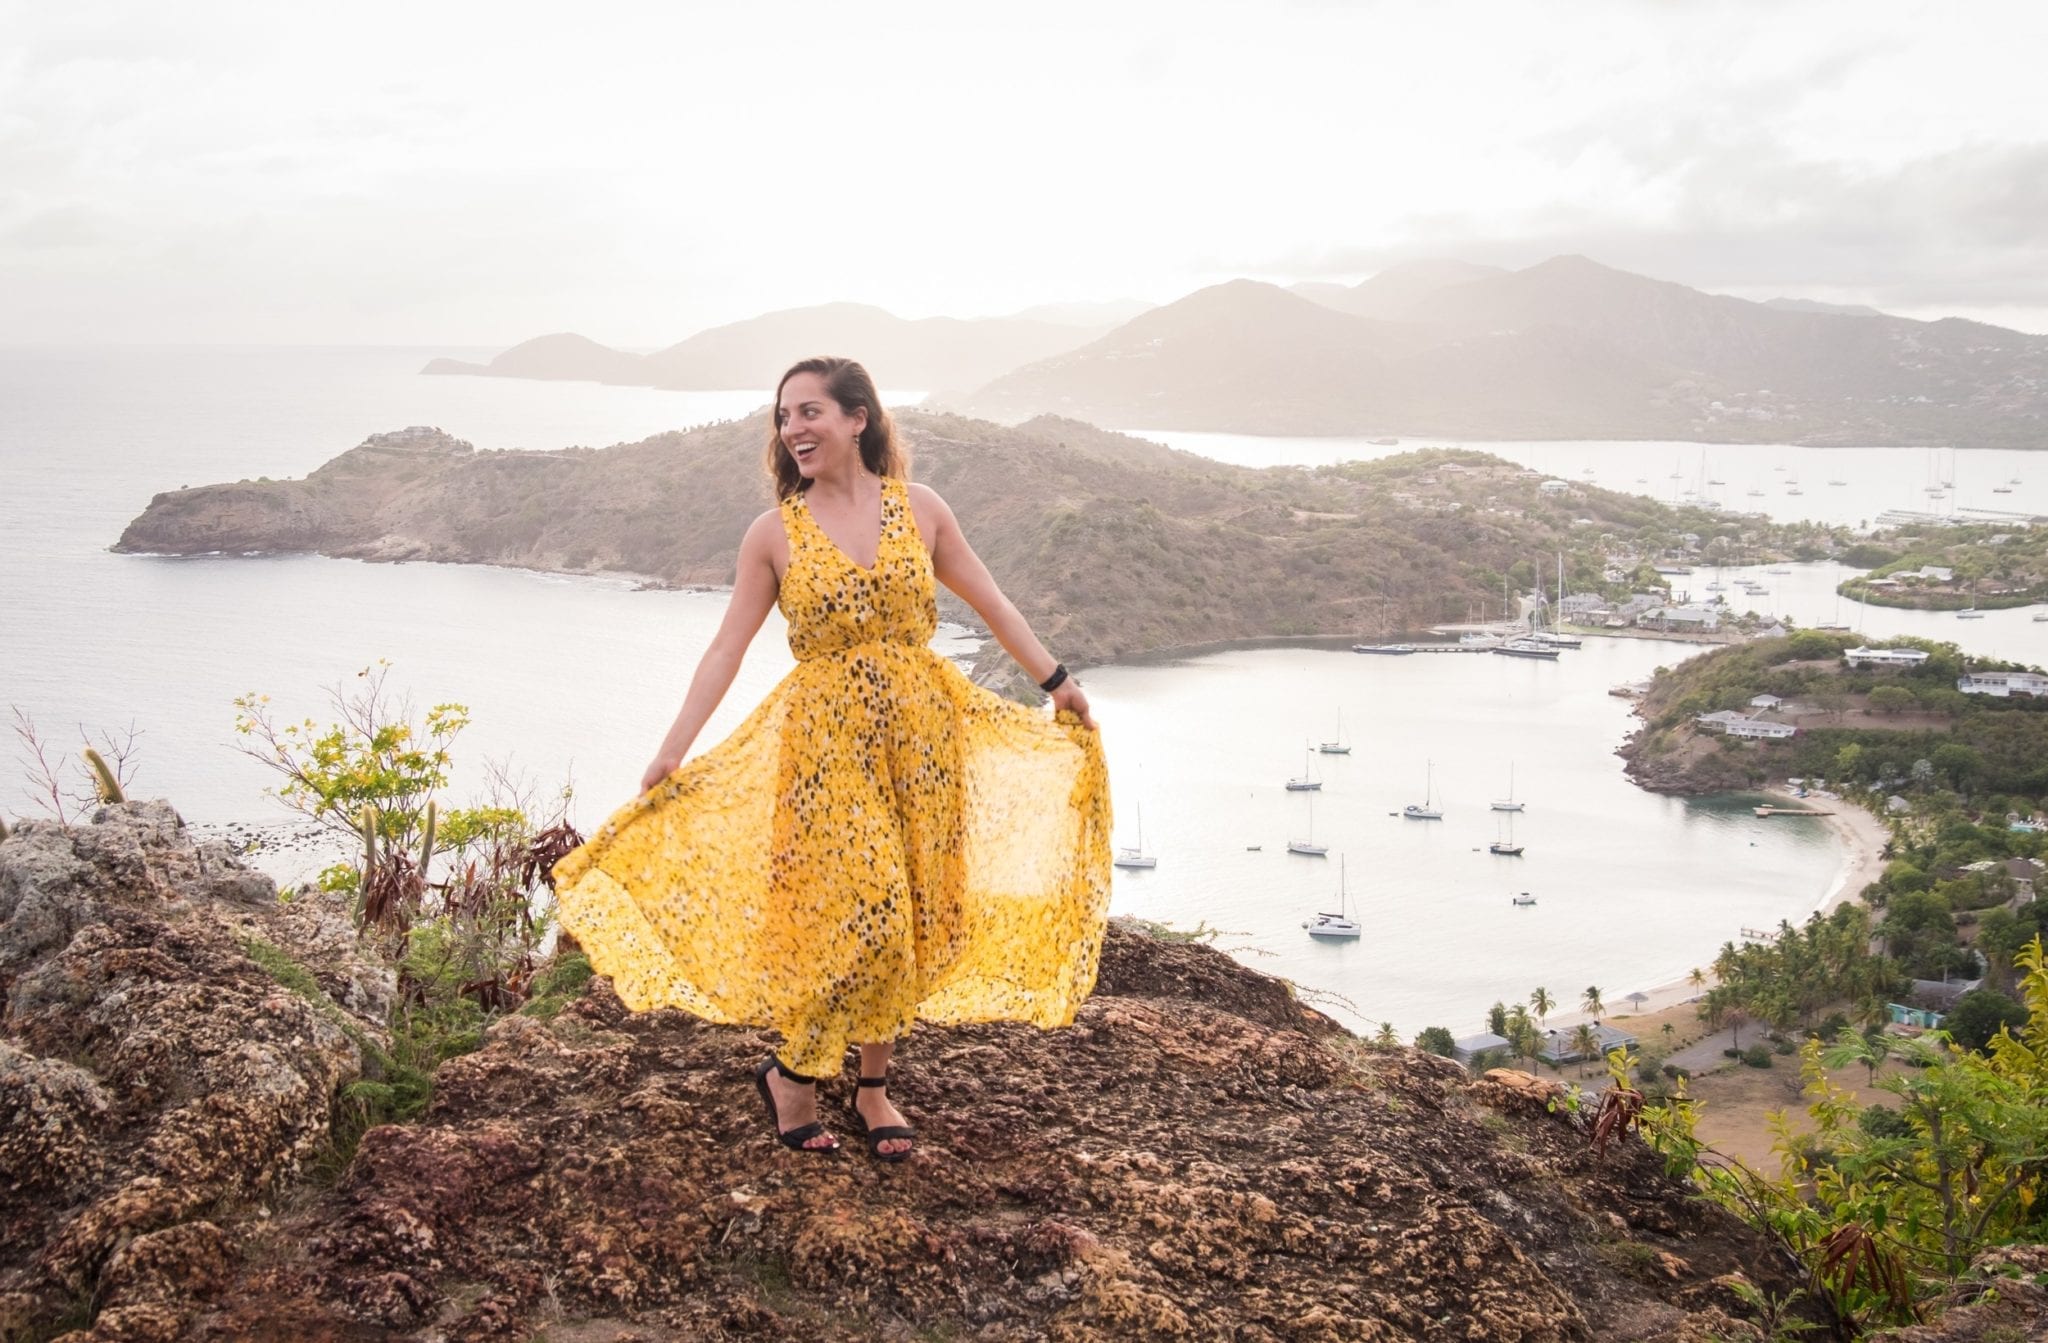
(577, 679)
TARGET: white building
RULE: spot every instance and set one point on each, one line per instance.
(1732, 724)
(1680, 618)
(1554, 487)
(2002, 685)
(1931, 573)
(1884, 657)
(1766, 702)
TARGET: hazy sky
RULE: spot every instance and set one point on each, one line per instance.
(439, 173)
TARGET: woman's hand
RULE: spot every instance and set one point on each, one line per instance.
(662, 767)
(1069, 695)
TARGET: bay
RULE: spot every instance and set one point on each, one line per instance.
(577, 678)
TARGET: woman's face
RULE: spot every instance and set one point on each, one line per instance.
(816, 432)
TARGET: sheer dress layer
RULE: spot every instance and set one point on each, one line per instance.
(881, 840)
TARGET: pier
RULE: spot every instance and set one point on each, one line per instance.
(1792, 811)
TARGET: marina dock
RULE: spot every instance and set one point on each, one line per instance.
(1791, 811)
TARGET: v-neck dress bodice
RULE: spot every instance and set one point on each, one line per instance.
(881, 841)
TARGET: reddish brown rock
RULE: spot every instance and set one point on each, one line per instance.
(1199, 1156)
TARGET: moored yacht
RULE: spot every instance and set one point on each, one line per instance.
(1427, 811)
(1340, 924)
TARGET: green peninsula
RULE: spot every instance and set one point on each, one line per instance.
(1113, 546)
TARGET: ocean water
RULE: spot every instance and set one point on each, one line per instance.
(576, 679)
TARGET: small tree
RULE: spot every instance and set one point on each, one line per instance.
(1590, 1000)
(1436, 1040)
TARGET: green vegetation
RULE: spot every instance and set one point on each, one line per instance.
(1987, 566)
(468, 946)
(1858, 727)
(1886, 1207)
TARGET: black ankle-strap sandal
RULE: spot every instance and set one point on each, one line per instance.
(886, 1133)
(797, 1138)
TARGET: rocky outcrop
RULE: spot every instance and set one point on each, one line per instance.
(1111, 546)
(157, 1083)
(1199, 1156)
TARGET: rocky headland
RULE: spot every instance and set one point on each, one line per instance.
(1111, 545)
(1199, 1156)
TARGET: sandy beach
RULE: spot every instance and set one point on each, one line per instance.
(1863, 836)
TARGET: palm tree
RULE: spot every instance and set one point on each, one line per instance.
(1541, 1003)
(1697, 978)
(1591, 1002)
(1521, 1033)
(1669, 1031)
(1386, 1038)
(1586, 1044)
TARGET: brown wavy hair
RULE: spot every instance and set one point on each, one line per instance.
(881, 451)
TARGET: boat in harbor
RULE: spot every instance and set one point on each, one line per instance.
(1505, 846)
(1307, 783)
(1308, 848)
(1340, 924)
(1524, 899)
(1337, 745)
(1969, 613)
(1509, 803)
(1391, 650)
(1838, 482)
(1531, 647)
(1135, 856)
(1428, 810)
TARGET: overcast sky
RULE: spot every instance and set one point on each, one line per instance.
(473, 174)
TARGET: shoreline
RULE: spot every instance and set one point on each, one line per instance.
(1863, 836)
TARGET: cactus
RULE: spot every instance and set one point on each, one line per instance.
(427, 841)
(369, 829)
(104, 782)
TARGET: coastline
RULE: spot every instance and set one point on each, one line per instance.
(1863, 836)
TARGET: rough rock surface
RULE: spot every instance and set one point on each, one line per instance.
(154, 1080)
(1199, 1157)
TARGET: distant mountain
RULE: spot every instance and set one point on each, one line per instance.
(935, 353)
(1815, 305)
(929, 354)
(1567, 348)
(562, 357)
(1102, 316)
(1396, 290)
(1247, 357)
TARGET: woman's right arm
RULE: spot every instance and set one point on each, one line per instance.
(753, 593)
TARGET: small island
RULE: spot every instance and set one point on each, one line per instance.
(1941, 568)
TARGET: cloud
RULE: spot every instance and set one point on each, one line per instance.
(1961, 228)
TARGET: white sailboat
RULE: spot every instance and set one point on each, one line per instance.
(1308, 848)
(1337, 745)
(1508, 803)
(1506, 846)
(1307, 783)
(1136, 856)
(1523, 899)
(1426, 811)
(1340, 924)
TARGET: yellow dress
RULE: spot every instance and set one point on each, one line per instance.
(880, 841)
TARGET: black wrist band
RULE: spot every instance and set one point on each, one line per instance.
(1054, 681)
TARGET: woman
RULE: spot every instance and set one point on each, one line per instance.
(881, 841)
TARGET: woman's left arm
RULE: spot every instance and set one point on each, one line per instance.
(956, 565)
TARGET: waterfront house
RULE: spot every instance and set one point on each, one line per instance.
(1729, 723)
(1693, 618)
(1486, 1042)
(1884, 657)
(1931, 573)
(2002, 685)
(1559, 1045)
